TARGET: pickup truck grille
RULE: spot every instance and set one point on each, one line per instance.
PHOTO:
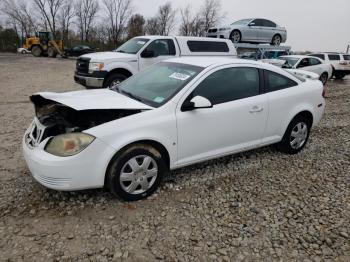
(82, 66)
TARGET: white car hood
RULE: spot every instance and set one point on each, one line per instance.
(94, 99)
(102, 56)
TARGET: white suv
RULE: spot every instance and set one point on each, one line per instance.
(340, 63)
(176, 113)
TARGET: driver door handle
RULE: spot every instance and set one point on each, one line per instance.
(256, 109)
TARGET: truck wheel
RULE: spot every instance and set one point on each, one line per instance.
(36, 51)
(51, 52)
(114, 80)
(136, 172)
(339, 76)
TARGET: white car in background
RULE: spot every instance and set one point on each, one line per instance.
(307, 63)
(340, 63)
(173, 114)
(22, 50)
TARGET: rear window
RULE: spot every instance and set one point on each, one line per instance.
(318, 55)
(334, 57)
(207, 46)
(346, 57)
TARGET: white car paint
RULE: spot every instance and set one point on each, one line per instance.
(188, 136)
(340, 62)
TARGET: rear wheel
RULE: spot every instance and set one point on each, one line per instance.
(276, 40)
(323, 78)
(235, 36)
(51, 52)
(37, 51)
(296, 135)
(136, 172)
(23, 52)
(114, 80)
(339, 76)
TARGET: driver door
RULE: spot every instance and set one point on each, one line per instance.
(235, 122)
(162, 49)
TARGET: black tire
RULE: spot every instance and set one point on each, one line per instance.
(51, 52)
(339, 76)
(120, 163)
(113, 79)
(323, 78)
(37, 51)
(236, 36)
(23, 52)
(276, 40)
(286, 144)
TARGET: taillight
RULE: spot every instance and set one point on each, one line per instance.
(343, 63)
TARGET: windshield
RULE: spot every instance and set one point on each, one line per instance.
(132, 46)
(159, 83)
(274, 54)
(241, 22)
(290, 61)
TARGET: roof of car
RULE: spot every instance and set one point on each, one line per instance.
(210, 61)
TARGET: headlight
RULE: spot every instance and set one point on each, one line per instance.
(68, 144)
(95, 67)
(224, 29)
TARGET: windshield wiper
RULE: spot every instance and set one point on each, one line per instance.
(130, 95)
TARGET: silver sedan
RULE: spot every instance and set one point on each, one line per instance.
(252, 30)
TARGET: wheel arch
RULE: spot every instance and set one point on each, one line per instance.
(119, 70)
(153, 143)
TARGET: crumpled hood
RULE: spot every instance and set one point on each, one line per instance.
(94, 99)
(103, 56)
(304, 74)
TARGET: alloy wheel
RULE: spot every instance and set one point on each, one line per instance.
(236, 37)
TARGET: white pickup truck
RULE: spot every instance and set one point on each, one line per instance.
(107, 69)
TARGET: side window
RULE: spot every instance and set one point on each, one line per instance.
(346, 57)
(207, 46)
(162, 47)
(229, 84)
(304, 62)
(275, 82)
(258, 22)
(268, 23)
(321, 56)
(314, 61)
(334, 57)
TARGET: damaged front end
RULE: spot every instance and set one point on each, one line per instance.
(54, 118)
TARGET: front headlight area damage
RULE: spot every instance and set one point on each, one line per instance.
(65, 126)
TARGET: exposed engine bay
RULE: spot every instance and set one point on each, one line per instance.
(60, 119)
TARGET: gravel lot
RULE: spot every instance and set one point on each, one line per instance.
(259, 205)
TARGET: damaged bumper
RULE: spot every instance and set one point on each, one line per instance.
(81, 171)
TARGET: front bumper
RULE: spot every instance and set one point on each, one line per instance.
(94, 80)
(219, 34)
(85, 170)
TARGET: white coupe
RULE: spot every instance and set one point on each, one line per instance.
(175, 113)
(308, 63)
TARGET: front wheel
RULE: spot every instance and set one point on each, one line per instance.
(114, 80)
(37, 51)
(51, 52)
(296, 135)
(235, 36)
(23, 52)
(136, 173)
(323, 78)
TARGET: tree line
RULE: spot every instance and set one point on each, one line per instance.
(103, 24)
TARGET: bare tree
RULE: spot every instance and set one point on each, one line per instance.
(210, 14)
(166, 18)
(49, 11)
(86, 11)
(118, 13)
(65, 18)
(152, 26)
(136, 26)
(190, 25)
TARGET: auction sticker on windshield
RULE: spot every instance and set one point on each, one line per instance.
(158, 99)
(141, 42)
(179, 76)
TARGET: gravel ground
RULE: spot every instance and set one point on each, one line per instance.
(259, 205)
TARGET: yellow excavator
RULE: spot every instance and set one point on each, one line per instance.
(43, 44)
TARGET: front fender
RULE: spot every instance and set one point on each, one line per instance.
(131, 66)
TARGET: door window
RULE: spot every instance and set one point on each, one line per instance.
(314, 61)
(268, 23)
(258, 22)
(304, 63)
(275, 82)
(162, 47)
(229, 84)
(334, 57)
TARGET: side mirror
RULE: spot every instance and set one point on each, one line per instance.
(252, 24)
(148, 54)
(196, 103)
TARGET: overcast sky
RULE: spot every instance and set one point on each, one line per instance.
(314, 25)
